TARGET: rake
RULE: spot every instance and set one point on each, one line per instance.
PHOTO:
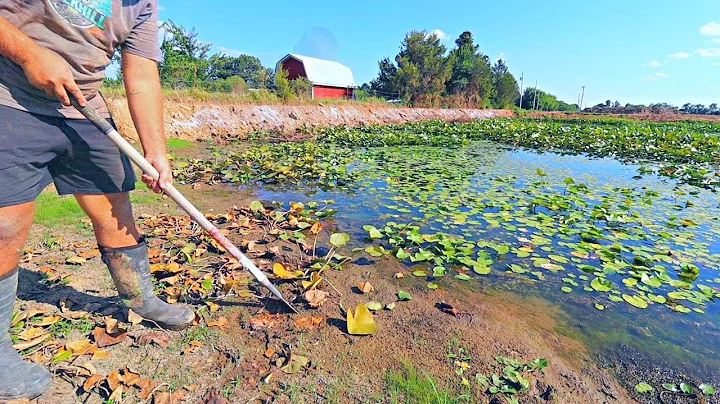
(104, 126)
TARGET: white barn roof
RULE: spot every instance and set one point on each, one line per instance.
(324, 72)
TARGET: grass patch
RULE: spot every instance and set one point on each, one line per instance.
(52, 210)
(175, 143)
(409, 386)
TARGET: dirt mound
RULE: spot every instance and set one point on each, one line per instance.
(197, 120)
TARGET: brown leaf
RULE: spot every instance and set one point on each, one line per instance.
(113, 380)
(269, 352)
(365, 287)
(158, 338)
(315, 297)
(308, 322)
(31, 333)
(27, 345)
(134, 318)
(221, 322)
(194, 346)
(92, 381)
(213, 396)
(75, 260)
(129, 377)
(213, 306)
(161, 397)
(103, 339)
(146, 387)
(99, 354)
(87, 254)
(79, 347)
(398, 275)
(116, 395)
(264, 321)
(47, 321)
(316, 228)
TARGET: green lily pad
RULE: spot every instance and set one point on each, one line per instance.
(636, 301)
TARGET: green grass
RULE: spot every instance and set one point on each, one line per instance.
(175, 143)
(409, 386)
(52, 210)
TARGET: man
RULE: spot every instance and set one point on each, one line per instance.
(50, 51)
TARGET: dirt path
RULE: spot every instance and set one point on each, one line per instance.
(236, 350)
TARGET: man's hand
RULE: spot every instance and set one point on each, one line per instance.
(51, 73)
(161, 164)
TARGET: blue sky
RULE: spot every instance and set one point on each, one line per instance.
(637, 51)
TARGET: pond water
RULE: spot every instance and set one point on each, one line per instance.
(631, 259)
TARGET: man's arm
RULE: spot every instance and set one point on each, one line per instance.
(145, 99)
(44, 69)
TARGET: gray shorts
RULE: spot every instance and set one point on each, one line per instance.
(36, 150)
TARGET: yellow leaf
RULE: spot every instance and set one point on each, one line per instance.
(134, 318)
(213, 306)
(47, 321)
(75, 260)
(27, 345)
(78, 347)
(282, 273)
(315, 279)
(31, 333)
(362, 323)
(116, 395)
(100, 354)
(365, 287)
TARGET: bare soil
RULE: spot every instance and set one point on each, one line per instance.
(233, 361)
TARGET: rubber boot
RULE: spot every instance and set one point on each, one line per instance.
(130, 270)
(18, 379)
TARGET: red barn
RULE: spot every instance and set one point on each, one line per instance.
(329, 79)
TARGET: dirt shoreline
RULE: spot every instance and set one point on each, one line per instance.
(200, 120)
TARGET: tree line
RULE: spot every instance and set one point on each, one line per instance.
(424, 73)
(688, 108)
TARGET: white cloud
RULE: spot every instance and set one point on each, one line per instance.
(716, 40)
(680, 55)
(709, 53)
(710, 29)
(653, 63)
(230, 51)
(654, 76)
(443, 36)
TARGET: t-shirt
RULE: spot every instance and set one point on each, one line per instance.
(83, 32)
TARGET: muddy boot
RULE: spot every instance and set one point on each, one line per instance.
(18, 379)
(130, 270)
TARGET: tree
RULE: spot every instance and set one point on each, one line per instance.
(248, 67)
(470, 73)
(384, 84)
(283, 89)
(421, 68)
(506, 87)
(184, 57)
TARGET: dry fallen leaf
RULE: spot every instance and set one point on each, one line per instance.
(308, 322)
(134, 318)
(146, 387)
(269, 352)
(129, 377)
(103, 339)
(316, 228)
(264, 321)
(158, 338)
(294, 364)
(47, 321)
(362, 322)
(92, 381)
(31, 333)
(315, 297)
(75, 260)
(221, 322)
(398, 275)
(315, 280)
(213, 306)
(116, 395)
(213, 396)
(27, 345)
(99, 354)
(193, 347)
(365, 287)
(279, 270)
(79, 347)
(113, 380)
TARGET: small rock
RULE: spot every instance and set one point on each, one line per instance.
(294, 116)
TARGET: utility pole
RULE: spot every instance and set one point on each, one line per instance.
(535, 97)
(582, 98)
(522, 76)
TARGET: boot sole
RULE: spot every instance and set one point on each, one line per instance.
(30, 396)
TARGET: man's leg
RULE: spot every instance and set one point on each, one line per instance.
(18, 379)
(126, 256)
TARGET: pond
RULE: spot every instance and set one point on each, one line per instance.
(629, 252)
(485, 192)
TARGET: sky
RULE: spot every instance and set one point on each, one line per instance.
(638, 51)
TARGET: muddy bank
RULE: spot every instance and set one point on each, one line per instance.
(194, 120)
